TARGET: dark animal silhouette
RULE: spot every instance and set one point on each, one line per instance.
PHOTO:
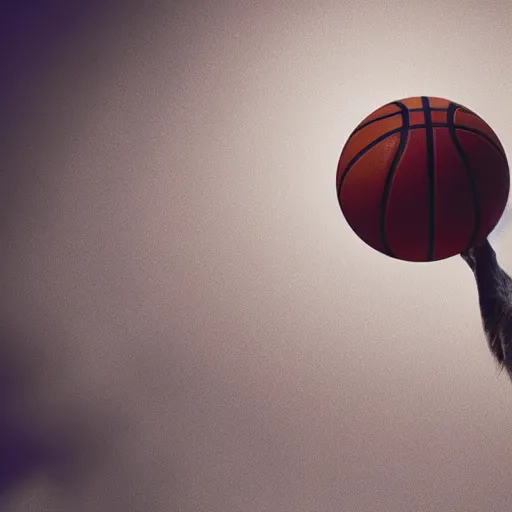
(495, 299)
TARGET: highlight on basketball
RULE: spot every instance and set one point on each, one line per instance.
(423, 179)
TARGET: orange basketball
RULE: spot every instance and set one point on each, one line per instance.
(423, 179)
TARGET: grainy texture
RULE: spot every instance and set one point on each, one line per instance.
(181, 296)
(495, 298)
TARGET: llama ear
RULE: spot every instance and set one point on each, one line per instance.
(504, 223)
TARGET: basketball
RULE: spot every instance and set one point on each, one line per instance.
(422, 179)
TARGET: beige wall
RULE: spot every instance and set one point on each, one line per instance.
(178, 255)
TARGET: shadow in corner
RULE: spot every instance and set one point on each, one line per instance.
(22, 450)
(45, 431)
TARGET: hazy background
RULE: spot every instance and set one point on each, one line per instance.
(188, 323)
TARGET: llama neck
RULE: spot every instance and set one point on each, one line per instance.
(494, 285)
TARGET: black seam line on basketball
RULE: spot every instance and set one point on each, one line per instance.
(482, 134)
(404, 133)
(476, 210)
(387, 116)
(429, 133)
(467, 129)
(371, 121)
(465, 109)
(362, 152)
(433, 109)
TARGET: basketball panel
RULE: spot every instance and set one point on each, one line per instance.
(454, 209)
(364, 137)
(407, 212)
(492, 179)
(363, 188)
(439, 116)
(438, 102)
(416, 118)
(386, 110)
(474, 122)
(412, 102)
